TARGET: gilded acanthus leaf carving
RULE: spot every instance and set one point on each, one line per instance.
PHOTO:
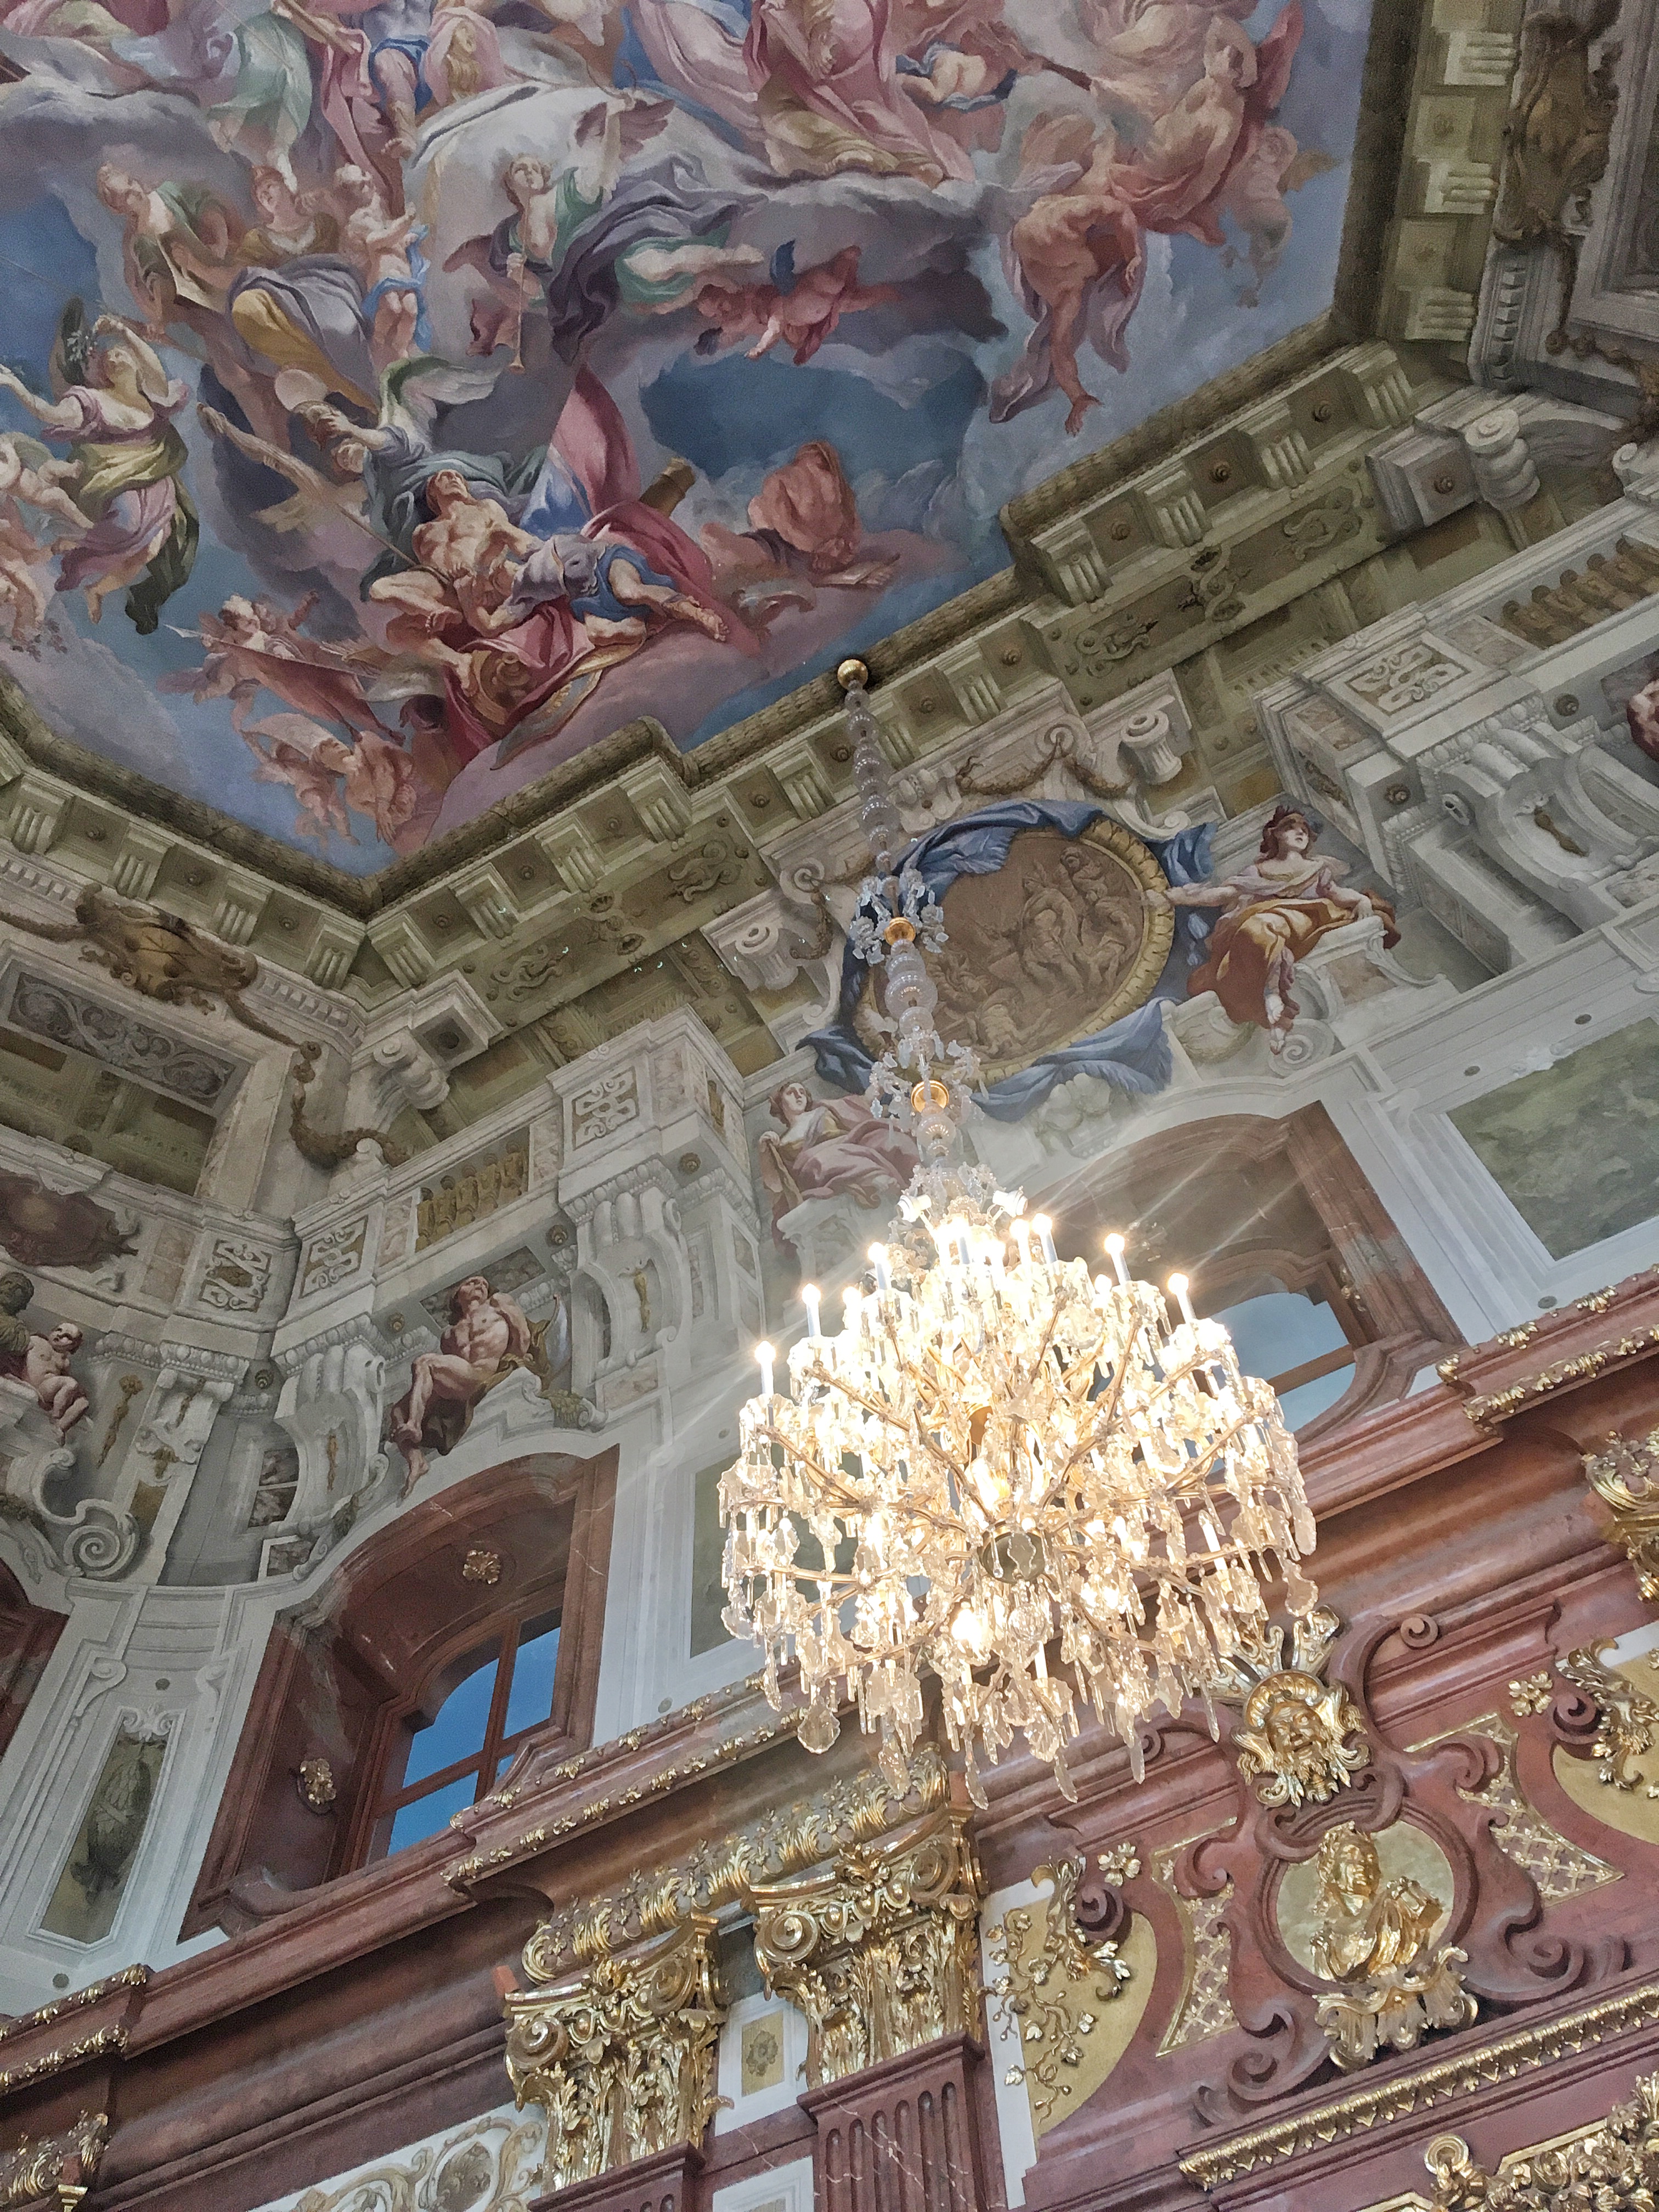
(57, 2165)
(1627, 1722)
(878, 1950)
(622, 2054)
(719, 1869)
(1048, 1989)
(1611, 2168)
(1624, 1475)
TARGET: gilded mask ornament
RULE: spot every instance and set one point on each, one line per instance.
(1375, 1936)
(1293, 1741)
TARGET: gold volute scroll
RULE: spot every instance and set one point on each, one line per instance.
(880, 1950)
(1625, 1476)
(621, 2055)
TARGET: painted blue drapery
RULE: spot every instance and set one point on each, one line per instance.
(1133, 1053)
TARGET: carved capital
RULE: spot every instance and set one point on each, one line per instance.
(878, 1950)
(62, 2166)
(622, 2054)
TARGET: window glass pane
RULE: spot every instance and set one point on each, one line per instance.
(531, 1698)
(429, 1813)
(457, 1731)
(1279, 1331)
(1309, 1399)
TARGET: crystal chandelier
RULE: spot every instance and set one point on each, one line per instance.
(998, 1451)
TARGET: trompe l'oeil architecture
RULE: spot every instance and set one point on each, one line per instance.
(866, 680)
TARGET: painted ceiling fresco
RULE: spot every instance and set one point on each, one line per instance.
(399, 399)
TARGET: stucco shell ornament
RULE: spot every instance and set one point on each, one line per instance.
(1292, 1741)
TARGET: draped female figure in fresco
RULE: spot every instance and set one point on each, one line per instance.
(591, 237)
(1275, 911)
(115, 406)
(826, 1148)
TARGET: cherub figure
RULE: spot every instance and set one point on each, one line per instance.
(385, 251)
(798, 312)
(28, 473)
(328, 775)
(57, 1392)
(250, 643)
(20, 553)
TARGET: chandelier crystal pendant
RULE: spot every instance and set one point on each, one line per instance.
(998, 1451)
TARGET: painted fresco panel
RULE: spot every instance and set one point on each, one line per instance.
(399, 400)
(1575, 1146)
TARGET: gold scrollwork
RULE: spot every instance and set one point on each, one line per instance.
(61, 2165)
(1045, 1989)
(1625, 1476)
(1502, 2058)
(878, 1950)
(1626, 1720)
(1614, 2168)
(622, 2054)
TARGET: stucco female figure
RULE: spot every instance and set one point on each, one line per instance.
(1276, 910)
(115, 404)
(828, 1148)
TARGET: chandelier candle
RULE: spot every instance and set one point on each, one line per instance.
(1015, 1452)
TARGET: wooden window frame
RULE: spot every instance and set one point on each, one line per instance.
(234, 1890)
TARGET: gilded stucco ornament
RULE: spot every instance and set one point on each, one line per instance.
(1625, 1476)
(880, 1949)
(1613, 2168)
(1376, 1937)
(61, 2166)
(1627, 1720)
(1051, 1988)
(621, 2055)
(1299, 1739)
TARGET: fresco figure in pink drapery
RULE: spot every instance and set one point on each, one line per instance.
(1077, 258)
(828, 93)
(828, 1148)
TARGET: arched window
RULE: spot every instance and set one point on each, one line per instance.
(446, 1755)
(400, 1691)
(1296, 1343)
